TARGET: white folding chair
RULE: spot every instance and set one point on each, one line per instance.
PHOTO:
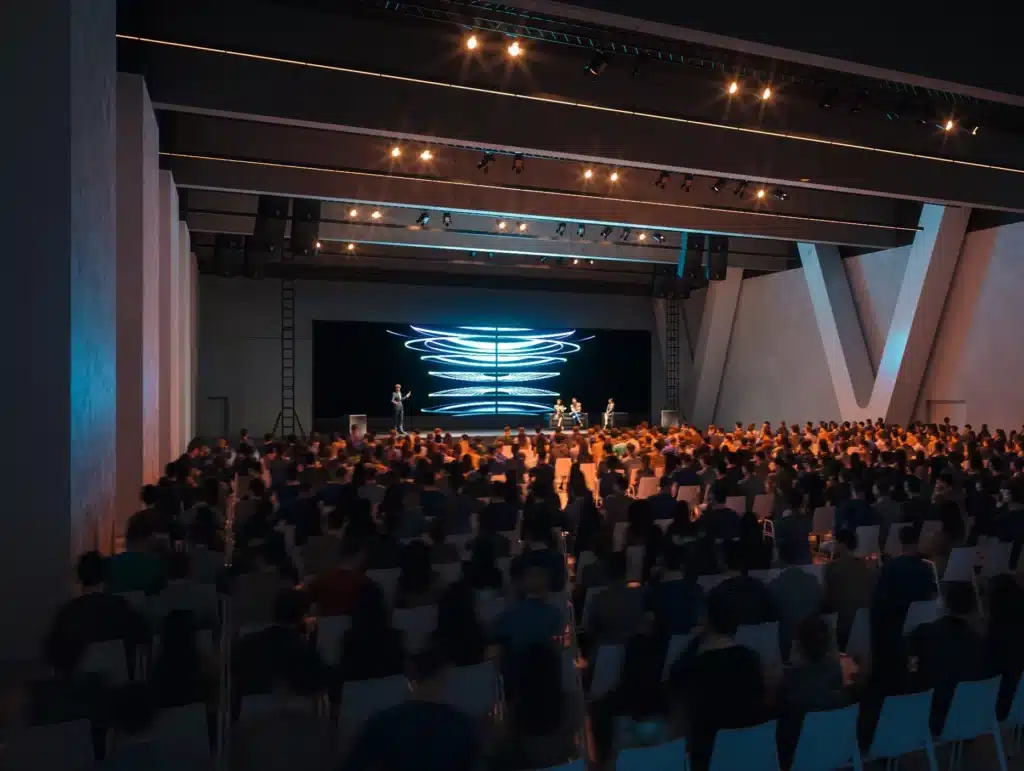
(676, 646)
(607, 670)
(63, 746)
(818, 571)
(995, 558)
(828, 740)
(362, 699)
(108, 660)
(647, 487)
(660, 757)
(185, 731)
(329, 632)
(387, 580)
(749, 749)
(765, 576)
(690, 494)
(972, 713)
(859, 643)
(903, 728)
(920, 612)
(448, 572)
(737, 503)
(472, 689)
(763, 505)
(823, 521)
(867, 541)
(960, 565)
(763, 638)
(418, 624)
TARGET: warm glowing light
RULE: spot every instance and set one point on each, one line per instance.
(575, 260)
(515, 49)
(949, 125)
(761, 193)
(318, 244)
(396, 151)
(351, 247)
(471, 42)
(502, 224)
(642, 237)
(353, 213)
(734, 87)
(614, 177)
(426, 155)
(376, 214)
(522, 227)
(766, 94)
(588, 173)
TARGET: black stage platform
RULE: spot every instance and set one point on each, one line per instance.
(476, 425)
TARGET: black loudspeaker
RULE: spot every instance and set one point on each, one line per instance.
(268, 232)
(718, 258)
(664, 280)
(305, 226)
(693, 267)
(255, 260)
(228, 254)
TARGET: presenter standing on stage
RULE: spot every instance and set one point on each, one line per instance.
(609, 414)
(398, 406)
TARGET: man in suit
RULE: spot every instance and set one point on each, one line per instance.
(398, 407)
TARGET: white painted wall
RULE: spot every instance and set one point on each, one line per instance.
(239, 333)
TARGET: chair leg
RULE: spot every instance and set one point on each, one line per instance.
(997, 738)
(929, 750)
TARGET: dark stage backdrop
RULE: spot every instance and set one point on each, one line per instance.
(458, 372)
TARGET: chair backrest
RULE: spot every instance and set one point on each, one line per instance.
(607, 669)
(387, 580)
(63, 746)
(867, 540)
(663, 524)
(676, 646)
(448, 572)
(562, 467)
(763, 638)
(417, 623)
(647, 487)
(929, 529)
(488, 609)
(635, 563)
(960, 565)
(892, 540)
(107, 659)
(1015, 717)
(362, 699)
(858, 644)
(995, 558)
(619, 536)
(750, 749)
(765, 576)
(828, 740)
(832, 620)
(515, 546)
(763, 505)
(818, 571)
(670, 756)
(903, 726)
(588, 605)
(329, 631)
(920, 612)
(823, 521)
(461, 542)
(707, 583)
(473, 689)
(689, 493)
(972, 712)
(573, 765)
(737, 503)
(185, 731)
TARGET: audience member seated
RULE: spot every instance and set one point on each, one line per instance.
(182, 593)
(481, 571)
(459, 635)
(793, 529)
(432, 501)
(137, 569)
(531, 620)
(663, 505)
(676, 600)
(371, 647)
(441, 553)
(856, 511)
(748, 598)
(617, 612)
(951, 535)
(288, 735)
(151, 519)
(539, 551)
(948, 651)
(132, 746)
(718, 522)
(716, 683)
(384, 551)
(334, 593)
(1004, 653)
(181, 673)
(418, 583)
(421, 734)
(498, 515)
(94, 616)
(796, 595)
(849, 583)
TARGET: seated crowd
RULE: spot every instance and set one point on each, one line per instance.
(328, 554)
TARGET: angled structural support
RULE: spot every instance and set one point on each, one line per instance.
(892, 392)
(713, 346)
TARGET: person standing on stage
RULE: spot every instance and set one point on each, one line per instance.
(609, 414)
(558, 419)
(576, 412)
(398, 406)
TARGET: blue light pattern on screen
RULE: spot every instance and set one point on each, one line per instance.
(496, 360)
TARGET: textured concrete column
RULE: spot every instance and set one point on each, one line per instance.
(713, 346)
(58, 73)
(168, 258)
(894, 390)
(185, 339)
(138, 266)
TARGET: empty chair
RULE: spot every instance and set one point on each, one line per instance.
(387, 580)
(920, 612)
(329, 632)
(972, 713)
(417, 623)
(107, 659)
(746, 749)
(763, 638)
(960, 565)
(607, 670)
(362, 699)
(867, 540)
(676, 646)
(903, 728)
(689, 494)
(185, 731)
(670, 756)
(472, 689)
(61, 747)
(737, 503)
(647, 487)
(828, 740)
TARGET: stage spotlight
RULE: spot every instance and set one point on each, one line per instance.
(376, 214)
(659, 238)
(351, 247)
(949, 125)
(687, 182)
(766, 94)
(662, 180)
(588, 174)
(426, 155)
(486, 162)
(581, 229)
(514, 49)
(353, 213)
(446, 218)
(522, 227)
(760, 193)
(614, 177)
(396, 151)
(606, 232)
(423, 219)
(625, 234)
(560, 230)
(575, 260)
(472, 42)
(741, 189)
(779, 194)
(502, 225)
(733, 88)
(597, 64)
(518, 163)
(642, 237)
(590, 262)
(717, 187)
(319, 245)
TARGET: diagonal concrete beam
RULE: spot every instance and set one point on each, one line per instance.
(908, 346)
(713, 346)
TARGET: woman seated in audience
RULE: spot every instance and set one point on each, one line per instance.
(951, 535)
(540, 726)
(1004, 653)
(441, 552)
(481, 571)
(181, 673)
(459, 634)
(418, 583)
(371, 647)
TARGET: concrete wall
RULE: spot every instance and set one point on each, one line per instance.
(239, 333)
